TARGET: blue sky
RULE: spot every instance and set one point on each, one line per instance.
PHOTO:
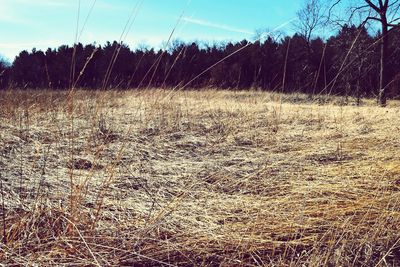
(25, 24)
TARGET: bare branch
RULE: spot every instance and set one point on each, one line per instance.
(373, 6)
(381, 5)
(386, 5)
(355, 9)
(394, 10)
(372, 18)
(331, 8)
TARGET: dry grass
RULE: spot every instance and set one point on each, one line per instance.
(202, 178)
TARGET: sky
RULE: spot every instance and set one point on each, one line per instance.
(25, 24)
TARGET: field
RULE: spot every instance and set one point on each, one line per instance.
(200, 178)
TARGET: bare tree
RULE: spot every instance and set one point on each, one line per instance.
(387, 14)
(309, 18)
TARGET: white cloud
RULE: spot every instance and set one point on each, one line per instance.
(11, 49)
(216, 25)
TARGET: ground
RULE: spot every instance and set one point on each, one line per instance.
(207, 177)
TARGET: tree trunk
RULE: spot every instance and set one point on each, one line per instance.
(383, 81)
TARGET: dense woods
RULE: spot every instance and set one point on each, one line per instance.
(347, 63)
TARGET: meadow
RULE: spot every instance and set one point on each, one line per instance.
(197, 178)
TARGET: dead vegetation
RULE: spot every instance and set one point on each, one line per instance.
(197, 178)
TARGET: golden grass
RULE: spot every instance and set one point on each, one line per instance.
(198, 178)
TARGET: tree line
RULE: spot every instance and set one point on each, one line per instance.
(346, 63)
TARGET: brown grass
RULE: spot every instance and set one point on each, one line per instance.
(202, 178)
